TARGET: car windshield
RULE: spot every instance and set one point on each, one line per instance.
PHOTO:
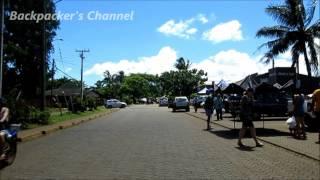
(181, 99)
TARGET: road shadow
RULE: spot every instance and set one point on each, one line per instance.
(245, 148)
(234, 133)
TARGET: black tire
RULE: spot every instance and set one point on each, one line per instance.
(109, 106)
(122, 106)
(11, 155)
(173, 110)
(187, 109)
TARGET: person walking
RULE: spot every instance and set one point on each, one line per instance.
(246, 116)
(208, 106)
(316, 108)
(195, 104)
(218, 105)
(4, 125)
(298, 113)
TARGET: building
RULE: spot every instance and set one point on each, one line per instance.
(283, 78)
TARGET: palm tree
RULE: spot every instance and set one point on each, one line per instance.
(295, 31)
(181, 64)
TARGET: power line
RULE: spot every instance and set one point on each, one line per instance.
(64, 73)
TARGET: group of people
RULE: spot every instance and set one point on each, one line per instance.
(213, 103)
(247, 113)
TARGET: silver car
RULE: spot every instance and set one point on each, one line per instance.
(114, 103)
(180, 102)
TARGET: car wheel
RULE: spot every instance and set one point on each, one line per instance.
(109, 106)
(173, 110)
(187, 109)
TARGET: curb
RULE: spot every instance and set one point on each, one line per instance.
(266, 141)
(24, 136)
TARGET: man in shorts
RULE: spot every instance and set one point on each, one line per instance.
(246, 116)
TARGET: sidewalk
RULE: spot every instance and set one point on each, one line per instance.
(29, 134)
(273, 131)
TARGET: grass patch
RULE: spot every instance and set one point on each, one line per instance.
(66, 116)
(55, 118)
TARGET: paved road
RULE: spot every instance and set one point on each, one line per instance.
(148, 142)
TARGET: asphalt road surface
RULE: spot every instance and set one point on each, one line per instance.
(150, 142)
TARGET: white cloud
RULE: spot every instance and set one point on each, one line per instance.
(163, 61)
(224, 31)
(191, 31)
(202, 18)
(230, 65)
(182, 28)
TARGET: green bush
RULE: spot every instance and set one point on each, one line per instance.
(43, 117)
(91, 103)
(127, 99)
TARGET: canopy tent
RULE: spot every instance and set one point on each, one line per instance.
(266, 88)
(248, 82)
(233, 89)
(202, 91)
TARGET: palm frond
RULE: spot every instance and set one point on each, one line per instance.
(313, 55)
(274, 31)
(295, 52)
(282, 14)
(310, 12)
(267, 58)
(315, 29)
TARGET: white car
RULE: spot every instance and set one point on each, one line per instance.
(114, 103)
(163, 101)
(180, 102)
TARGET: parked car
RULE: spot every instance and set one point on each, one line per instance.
(198, 101)
(163, 101)
(114, 103)
(180, 102)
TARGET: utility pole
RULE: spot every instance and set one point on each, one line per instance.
(82, 58)
(44, 61)
(52, 76)
(1, 45)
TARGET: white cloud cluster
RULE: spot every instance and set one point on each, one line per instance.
(232, 65)
(224, 31)
(182, 28)
(229, 65)
(157, 64)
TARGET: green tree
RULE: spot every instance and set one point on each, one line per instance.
(23, 47)
(184, 81)
(294, 30)
(135, 86)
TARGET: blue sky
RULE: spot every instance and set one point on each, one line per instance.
(217, 36)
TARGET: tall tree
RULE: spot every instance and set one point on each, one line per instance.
(23, 46)
(184, 81)
(294, 30)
